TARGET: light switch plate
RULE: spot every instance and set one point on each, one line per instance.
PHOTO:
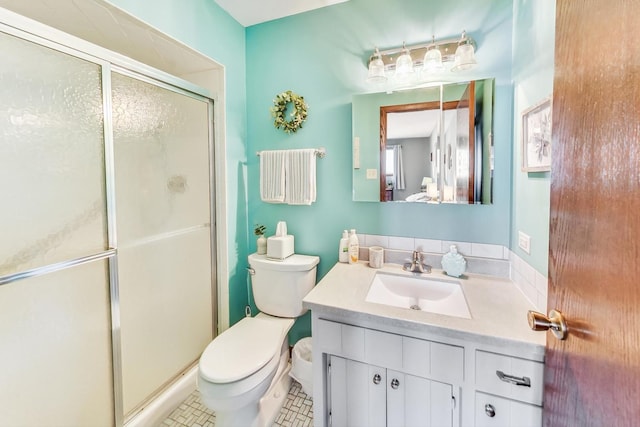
(524, 241)
(372, 173)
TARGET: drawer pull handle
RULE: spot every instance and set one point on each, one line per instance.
(489, 410)
(376, 379)
(523, 381)
(395, 383)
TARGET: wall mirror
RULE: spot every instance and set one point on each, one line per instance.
(426, 145)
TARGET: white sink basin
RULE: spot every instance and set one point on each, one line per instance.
(419, 293)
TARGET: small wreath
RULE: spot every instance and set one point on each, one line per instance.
(279, 109)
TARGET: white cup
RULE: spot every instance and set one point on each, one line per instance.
(376, 256)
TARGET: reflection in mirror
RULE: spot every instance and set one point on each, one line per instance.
(424, 152)
(409, 136)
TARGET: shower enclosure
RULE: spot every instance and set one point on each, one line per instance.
(107, 271)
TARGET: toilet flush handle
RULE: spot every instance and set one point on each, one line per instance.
(247, 308)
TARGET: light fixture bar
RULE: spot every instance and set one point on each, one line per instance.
(447, 49)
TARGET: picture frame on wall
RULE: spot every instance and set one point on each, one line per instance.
(536, 137)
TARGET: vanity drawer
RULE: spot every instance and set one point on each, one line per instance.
(494, 411)
(490, 366)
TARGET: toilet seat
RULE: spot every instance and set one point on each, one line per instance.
(241, 350)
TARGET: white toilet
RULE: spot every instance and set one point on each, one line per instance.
(243, 373)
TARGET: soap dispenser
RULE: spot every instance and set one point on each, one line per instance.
(453, 263)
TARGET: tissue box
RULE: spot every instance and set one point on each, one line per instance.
(280, 247)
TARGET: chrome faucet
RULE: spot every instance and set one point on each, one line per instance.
(416, 265)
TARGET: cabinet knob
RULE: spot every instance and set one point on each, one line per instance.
(489, 410)
(377, 378)
(395, 383)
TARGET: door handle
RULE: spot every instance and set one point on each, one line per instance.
(555, 322)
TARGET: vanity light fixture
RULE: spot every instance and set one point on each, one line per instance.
(404, 65)
(376, 69)
(421, 62)
(432, 61)
(465, 57)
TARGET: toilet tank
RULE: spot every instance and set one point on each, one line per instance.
(279, 286)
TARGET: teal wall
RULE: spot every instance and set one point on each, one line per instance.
(533, 50)
(204, 26)
(322, 55)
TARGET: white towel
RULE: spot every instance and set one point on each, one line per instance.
(272, 175)
(300, 172)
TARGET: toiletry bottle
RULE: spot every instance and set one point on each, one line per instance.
(343, 250)
(354, 247)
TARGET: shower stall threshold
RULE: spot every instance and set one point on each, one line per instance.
(158, 409)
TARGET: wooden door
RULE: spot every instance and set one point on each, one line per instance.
(593, 377)
(466, 146)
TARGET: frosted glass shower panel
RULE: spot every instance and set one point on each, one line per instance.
(162, 159)
(51, 157)
(55, 332)
(166, 310)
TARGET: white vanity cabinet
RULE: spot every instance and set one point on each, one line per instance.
(368, 377)
(375, 378)
(449, 370)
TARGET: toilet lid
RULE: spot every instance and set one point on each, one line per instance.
(241, 350)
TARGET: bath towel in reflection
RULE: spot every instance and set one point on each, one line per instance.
(300, 177)
(272, 175)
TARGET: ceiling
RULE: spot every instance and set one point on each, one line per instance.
(251, 12)
(101, 23)
(412, 124)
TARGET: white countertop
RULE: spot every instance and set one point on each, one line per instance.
(498, 309)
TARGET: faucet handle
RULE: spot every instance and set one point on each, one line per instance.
(417, 256)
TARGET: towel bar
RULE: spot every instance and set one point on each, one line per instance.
(320, 152)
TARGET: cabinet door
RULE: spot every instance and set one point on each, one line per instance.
(357, 393)
(415, 401)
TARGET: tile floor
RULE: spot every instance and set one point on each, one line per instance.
(296, 412)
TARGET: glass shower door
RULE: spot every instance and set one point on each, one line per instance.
(163, 224)
(55, 324)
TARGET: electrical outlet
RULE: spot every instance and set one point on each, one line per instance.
(524, 241)
(372, 173)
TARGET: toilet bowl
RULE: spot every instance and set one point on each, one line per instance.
(237, 369)
(243, 373)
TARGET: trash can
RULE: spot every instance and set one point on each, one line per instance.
(301, 359)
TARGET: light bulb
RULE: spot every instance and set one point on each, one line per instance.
(376, 69)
